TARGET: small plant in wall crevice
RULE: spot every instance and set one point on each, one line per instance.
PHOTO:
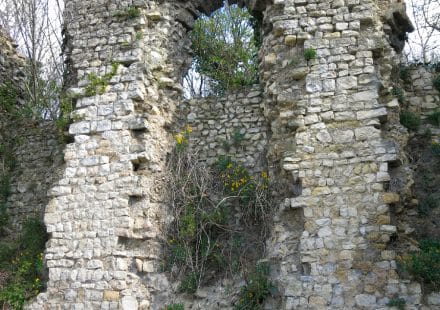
(310, 53)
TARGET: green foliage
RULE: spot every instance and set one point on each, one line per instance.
(397, 302)
(432, 201)
(139, 35)
(410, 120)
(398, 93)
(64, 119)
(5, 187)
(130, 12)
(425, 265)
(4, 217)
(25, 265)
(434, 118)
(235, 140)
(237, 180)
(435, 148)
(237, 137)
(175, 307)
(436, 83)
(201, 239)
(256, 290)
(98, 85)
(8, 99)
(405, 75)
(225, 49)
(189, 283)
(310, 53)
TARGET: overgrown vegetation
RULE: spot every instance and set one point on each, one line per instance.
(130, 12)
(98, 84)
(436, 82)
(425, 264)
(434, 118)
(225, 50)
(220, 217)
(397, 302)
(258, 287)
(310, 53)
(21, 265)
(175, 307)
(410, 120)
(428, 203)
(398, 93)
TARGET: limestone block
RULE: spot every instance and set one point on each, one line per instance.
(154, 15)
(290, 40)
(390, 198)
(79, 128)
(365, 300)
(343, 136)
(270, 59)
(129, 303)
(111, 295)
(371, 113)
(346, 82)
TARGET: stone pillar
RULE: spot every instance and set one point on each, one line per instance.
(106, 213)
(328, 147)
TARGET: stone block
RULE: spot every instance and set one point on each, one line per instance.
(389, 198)
(111, 295)
(290, 40)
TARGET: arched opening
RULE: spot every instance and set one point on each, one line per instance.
(225, 46)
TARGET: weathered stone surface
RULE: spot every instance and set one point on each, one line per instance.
(326, 149)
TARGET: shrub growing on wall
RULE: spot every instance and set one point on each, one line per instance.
(225, 49)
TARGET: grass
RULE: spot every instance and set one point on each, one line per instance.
(410, 120)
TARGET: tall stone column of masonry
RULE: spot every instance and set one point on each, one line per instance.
(106, 212)
(326, 120)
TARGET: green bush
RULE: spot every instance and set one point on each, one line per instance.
(435, 148)
(98, 85)
(4, 218)
(399, 303)
(432, 201)
(202, 242)
(8, 99)
(24, 263)
(225, 49)
(130, 12)
(425, 265)
(175, 307)
(398, 93)
(434, 118)
(256, 290)
(436, 83)
(189, 283)
(410, 120)
(405, 75)
(310, 53)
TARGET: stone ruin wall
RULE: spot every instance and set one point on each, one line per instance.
(38, 155)
(233, 126)
(36, 149)
(332, 123)
(423, 98)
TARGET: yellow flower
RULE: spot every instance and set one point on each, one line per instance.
(180, 139)
(189, 129)
(229, 166)
(264, 175)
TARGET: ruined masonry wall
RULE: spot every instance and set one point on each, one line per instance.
(327, 147)
(326, 118)
(233, 125)
(423, 98)
(38, 155)
(105, 214)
